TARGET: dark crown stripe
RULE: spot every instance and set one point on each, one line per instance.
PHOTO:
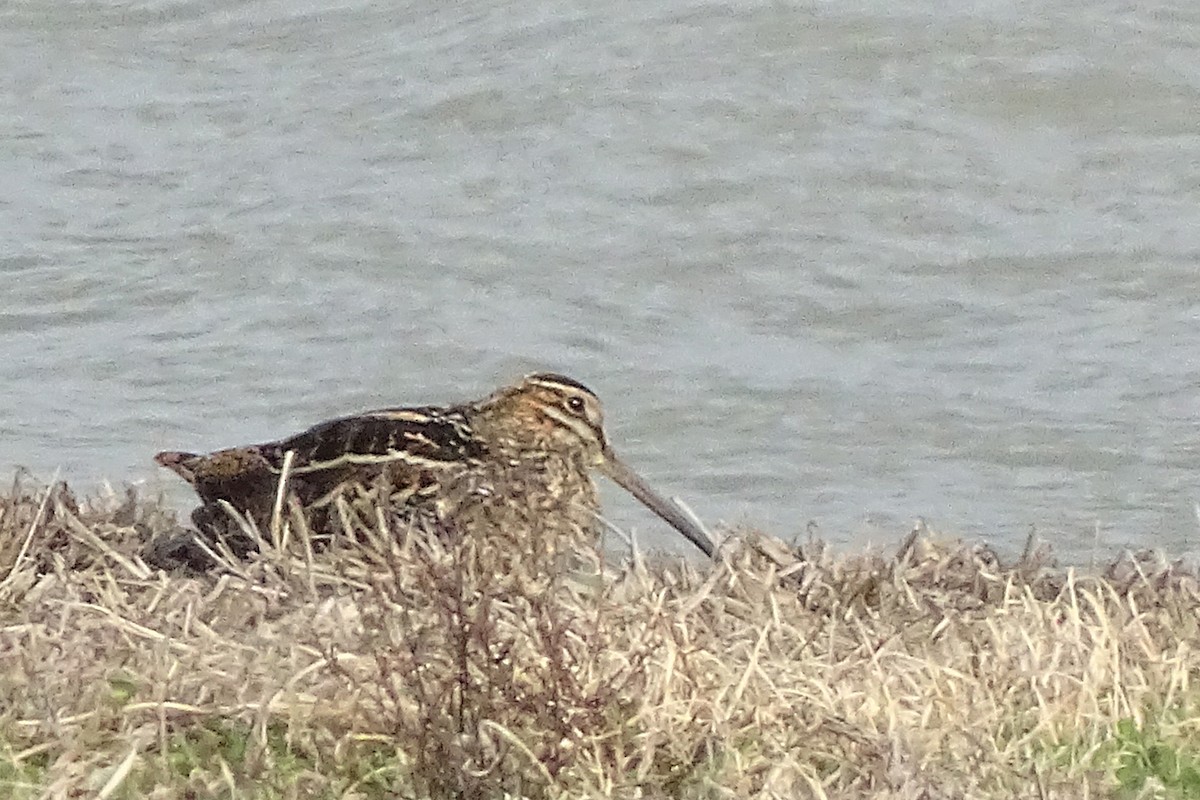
(552, 380)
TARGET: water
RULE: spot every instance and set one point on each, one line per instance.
(845, 262)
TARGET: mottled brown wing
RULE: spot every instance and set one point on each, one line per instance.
(412, 447)
(422, 437)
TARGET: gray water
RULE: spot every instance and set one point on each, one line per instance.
(849, 262)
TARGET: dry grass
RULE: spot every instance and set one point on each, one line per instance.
(395, 666)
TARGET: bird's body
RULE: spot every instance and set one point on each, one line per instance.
(520, 459)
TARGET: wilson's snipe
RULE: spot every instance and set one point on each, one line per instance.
(520, 458)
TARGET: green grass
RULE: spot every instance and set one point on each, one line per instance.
(1147, 756)
(227, 757)
(22, 778)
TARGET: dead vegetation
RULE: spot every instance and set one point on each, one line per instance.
(395, 665)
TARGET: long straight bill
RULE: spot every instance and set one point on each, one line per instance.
(631, 482)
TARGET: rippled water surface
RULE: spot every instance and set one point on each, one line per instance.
(847, 262)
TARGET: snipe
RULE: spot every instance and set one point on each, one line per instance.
(520, 458)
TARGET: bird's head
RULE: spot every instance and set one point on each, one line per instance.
(557, 414)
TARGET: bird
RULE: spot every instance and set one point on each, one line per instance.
(521, 458)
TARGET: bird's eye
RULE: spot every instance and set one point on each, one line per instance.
(575, 404)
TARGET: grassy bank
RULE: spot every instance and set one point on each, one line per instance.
(420, 670)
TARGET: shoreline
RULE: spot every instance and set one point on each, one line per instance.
(423, 669)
